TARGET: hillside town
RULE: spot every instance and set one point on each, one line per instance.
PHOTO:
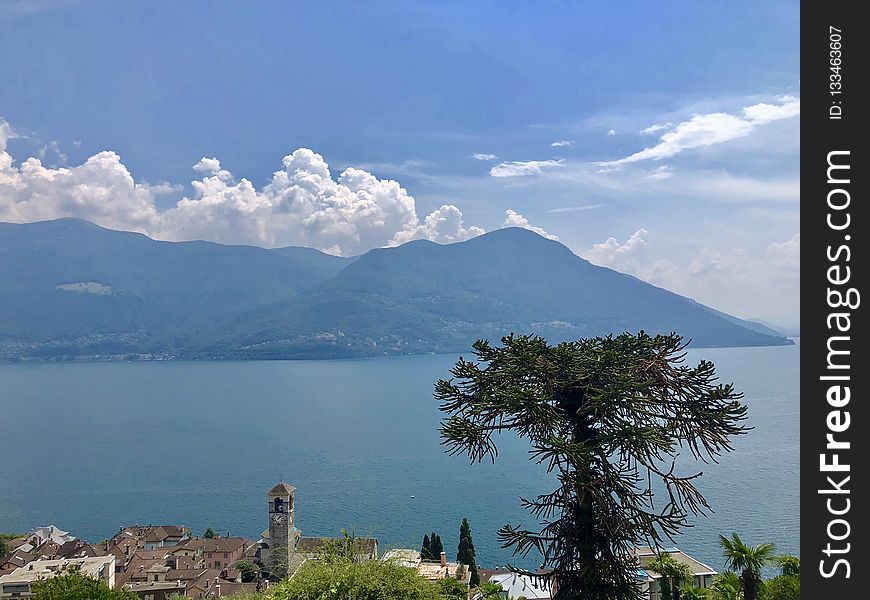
(157, 562)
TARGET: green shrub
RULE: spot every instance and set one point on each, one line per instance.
(72, 585)
(346, 580)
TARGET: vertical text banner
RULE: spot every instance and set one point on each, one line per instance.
(835, 368)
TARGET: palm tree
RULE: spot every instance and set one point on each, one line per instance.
(488, 591)
(749, 560)
(690, 592)
(726, 586)
(673, 573)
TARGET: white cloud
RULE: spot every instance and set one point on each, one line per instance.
(786, 254)
(524, 169)
(662, 172)
(721, 277)
(301, 205)
(713, 128)
(515, 219)
(482, 156)
(53, 148)
(562, 143)
(628, 257)
(443, 225)
(765, 113)
(611, 132)
(566, 209)
(656, 127)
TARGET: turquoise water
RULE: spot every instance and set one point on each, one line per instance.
(92, 447)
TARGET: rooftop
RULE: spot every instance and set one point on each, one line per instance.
(282, 489)
(93, 567)
(645, 554)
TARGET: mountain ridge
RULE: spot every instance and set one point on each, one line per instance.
(74, 290)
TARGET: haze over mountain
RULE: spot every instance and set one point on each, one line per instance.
(70, 289)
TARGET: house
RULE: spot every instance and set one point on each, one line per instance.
(157, 590)
(218, 553)
(151, 537)
(403, 557)
(442, 569)
(18, 558)
(703, 574)
(49, 533)
(515, 585)
(17, 584)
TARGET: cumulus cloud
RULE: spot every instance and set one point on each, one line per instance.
(443, 225)
(611, 132)
(482, 156)
(302, 204)
(788, 107)
(515, 219)
(524, 168)
(713, 128)
(562, 143)
(629, 256)
(720, 277)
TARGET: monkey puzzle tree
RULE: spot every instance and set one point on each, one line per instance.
(607, 416)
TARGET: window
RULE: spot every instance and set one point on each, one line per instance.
(226, 555)
(279, 505)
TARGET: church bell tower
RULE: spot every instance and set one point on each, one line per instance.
(283, 534)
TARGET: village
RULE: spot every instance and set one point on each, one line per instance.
(157, 562)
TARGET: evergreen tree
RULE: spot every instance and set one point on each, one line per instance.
(437, 547)
(209, 534)
(426, 550)
(465, 554)
(606, 416)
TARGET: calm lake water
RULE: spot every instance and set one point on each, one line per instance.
(91, 447)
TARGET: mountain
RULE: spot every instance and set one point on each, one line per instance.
(70, 289)
(753, 324)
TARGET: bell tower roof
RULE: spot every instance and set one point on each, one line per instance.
(282, 489)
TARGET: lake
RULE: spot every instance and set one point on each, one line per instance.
(91, 447)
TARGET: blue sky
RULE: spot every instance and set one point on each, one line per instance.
(661, 139)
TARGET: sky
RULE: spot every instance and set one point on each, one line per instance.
(659, 139)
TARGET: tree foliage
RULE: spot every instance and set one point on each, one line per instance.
(781, 587)
(73, 585)
(347, 547)
(432, 547)
(606, 415)
(674, 575)
(787, 585)
(690, 592)
(451, 588)
(465, 553)
(727, 586)
(436, 546)
(247, 569)
(209, 534)
(488, 591)
(749, 560)
(348, 580)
